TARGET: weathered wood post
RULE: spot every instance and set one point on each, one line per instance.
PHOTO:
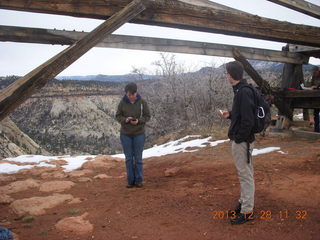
(22, 89)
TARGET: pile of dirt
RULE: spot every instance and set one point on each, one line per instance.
(186, 196)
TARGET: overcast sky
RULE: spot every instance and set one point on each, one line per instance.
(20, 58)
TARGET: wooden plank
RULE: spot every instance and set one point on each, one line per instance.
(22, 89)
(305, 50)
(37, 35)
(306, 103)
(283, 106)
(300, 6)
(306, 99)
(181, 14)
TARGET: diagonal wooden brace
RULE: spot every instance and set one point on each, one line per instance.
(18, 92)
(282, 105)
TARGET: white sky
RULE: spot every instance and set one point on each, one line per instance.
(20, 58)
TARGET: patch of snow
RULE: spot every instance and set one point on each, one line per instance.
(177, 146)
(12, 168)
(298, 116)
(73, 163)
(264, 150)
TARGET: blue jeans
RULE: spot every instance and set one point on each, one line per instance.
(133, 148)
(316, 120)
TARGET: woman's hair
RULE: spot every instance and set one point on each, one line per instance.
(131, 87)
(235, 69)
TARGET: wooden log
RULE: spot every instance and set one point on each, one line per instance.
(22, 89)
(263, 84)
(37, 35)
(300, 6)
(183, 14)
(283, 106)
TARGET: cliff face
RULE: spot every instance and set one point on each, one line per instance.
(13, 142)
(72, 118)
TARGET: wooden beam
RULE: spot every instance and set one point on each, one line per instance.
(310, 103)
(300, 6)
(301, 94)
(183, 14)
(305, 50)
(37, 35)
(23, 88)
(283, 106)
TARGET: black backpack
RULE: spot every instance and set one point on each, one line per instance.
(263, 114)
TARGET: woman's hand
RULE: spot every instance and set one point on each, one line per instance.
(128, 119)
(134, 121)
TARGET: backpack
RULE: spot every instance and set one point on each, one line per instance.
(263, 114)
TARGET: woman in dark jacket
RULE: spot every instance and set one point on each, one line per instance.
(132, 114)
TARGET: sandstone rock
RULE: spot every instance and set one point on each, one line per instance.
(75, 225)
(19, 186)
(59, 163)
(101, 161)
(84, 179)
(198, 185)
(76, 200)
(5, 178)
(80, 173)
(171, 171)
(56, 186)
(4, 199)
(36, 171)
(101, 176)
(36, 206)
(53, 175)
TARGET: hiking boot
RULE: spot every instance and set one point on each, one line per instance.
(139, 185)
(130, 185)
(235, 212)
(242, 218)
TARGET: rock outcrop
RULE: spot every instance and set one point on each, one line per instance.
(75, 225)
(36, 206)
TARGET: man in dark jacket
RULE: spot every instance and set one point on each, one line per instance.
(132, 114)
(240, 133)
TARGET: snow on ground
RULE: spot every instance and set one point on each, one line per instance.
(180, 145)
(42, 161)
(185, 144)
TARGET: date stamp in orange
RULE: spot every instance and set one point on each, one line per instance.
(299, 214)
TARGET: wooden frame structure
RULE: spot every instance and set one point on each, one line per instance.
(197, 15)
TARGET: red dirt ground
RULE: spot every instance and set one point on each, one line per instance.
(184, 206)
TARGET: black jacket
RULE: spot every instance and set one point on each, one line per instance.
(242, 114)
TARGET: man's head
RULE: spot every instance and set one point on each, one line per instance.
(131, 91)
(234, 72)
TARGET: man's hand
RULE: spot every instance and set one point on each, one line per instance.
(224, 114)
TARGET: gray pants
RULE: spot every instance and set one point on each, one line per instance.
(245, 175)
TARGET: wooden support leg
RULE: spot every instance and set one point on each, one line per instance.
(22, 89)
